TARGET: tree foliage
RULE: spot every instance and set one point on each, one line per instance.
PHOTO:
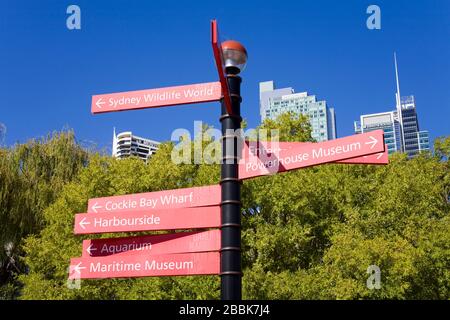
(31, 176)
(307, 234)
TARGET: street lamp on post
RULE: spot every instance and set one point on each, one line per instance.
(234, 58)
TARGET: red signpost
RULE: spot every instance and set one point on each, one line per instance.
(144, 265)
(168, 199)
(180, 242)
(310, 154)
(198, 252)
(152, 98)
(218, 58)
(148, 220)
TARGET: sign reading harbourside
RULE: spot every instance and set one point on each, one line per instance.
(148, 220)
(180, 242)
(310, 154)
(168, 199)
(152, 98)
(144, 265)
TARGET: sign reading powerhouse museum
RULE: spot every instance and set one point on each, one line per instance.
(261, 161)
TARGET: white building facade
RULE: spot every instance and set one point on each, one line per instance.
(274, 102)
(125, 144)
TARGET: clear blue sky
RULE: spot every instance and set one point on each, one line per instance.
(48, 73)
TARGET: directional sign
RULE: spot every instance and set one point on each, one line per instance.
(375, 159)
(148, 220)
(267, 148)
(143, 265)
(180, 242)
(152, 98)
(311, 154)
(168, 199)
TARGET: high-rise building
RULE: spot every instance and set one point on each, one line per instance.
(274, 102)
(125, 144)
(401, 126)
(388, 121)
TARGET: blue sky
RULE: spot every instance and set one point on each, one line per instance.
(49, 73)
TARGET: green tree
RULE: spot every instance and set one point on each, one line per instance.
(31, 175)
(307, 234)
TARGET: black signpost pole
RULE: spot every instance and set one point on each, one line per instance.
(231, 274)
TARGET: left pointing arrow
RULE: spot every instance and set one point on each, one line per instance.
(99, 103)
(78, 268)
(83, 222)
(95, 207)
(90, 249)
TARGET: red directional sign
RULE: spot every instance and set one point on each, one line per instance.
(267, 148)
(152, 98)
(143, 265)
(376, 158)
(148, 220)
(180, 242)
(310, 154)
(168, 199)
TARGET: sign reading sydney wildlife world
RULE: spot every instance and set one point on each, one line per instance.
(152, 98)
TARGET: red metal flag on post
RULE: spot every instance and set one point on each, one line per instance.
(152, 98)
(218, 57)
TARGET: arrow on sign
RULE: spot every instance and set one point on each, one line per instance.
(99, 103)
(77, 268)
(90, 249)
(372, 142)
(95, 207)
(83, 222)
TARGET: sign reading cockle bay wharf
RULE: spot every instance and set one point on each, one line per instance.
(205, 221)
